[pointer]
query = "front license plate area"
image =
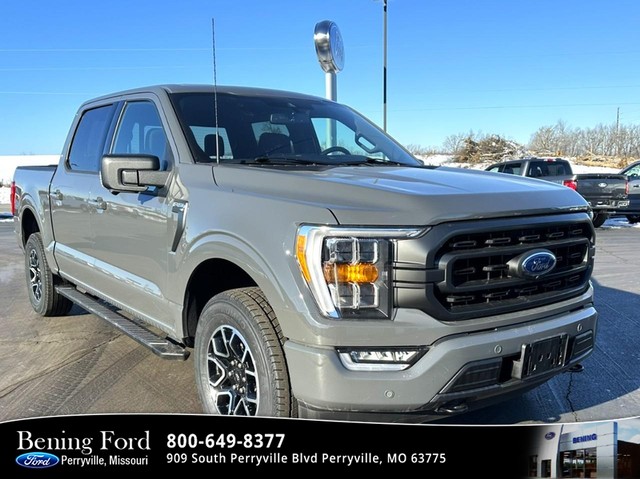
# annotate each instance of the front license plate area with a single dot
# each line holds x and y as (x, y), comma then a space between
(540, 357)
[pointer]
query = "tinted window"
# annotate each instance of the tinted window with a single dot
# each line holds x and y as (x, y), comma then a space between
(538, 169)
(511, 168)
(255, 126)
(633, 172)
(88, 141)
(337, 134)
(140, 131)
(201, 133)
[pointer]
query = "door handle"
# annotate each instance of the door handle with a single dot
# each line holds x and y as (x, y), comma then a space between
(99, 203)
(57, 194)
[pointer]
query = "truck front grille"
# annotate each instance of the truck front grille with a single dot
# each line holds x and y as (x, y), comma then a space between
(467, 268)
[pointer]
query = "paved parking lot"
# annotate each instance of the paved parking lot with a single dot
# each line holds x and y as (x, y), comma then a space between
(77, 364)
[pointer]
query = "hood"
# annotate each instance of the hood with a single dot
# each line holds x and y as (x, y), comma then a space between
(401, 196)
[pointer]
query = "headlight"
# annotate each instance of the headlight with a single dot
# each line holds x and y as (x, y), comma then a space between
(348, 270)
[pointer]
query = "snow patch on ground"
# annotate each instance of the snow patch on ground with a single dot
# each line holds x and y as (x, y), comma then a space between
(447, 160)
(435, 160)
(579, 169)
(5, 195)
(618, 222)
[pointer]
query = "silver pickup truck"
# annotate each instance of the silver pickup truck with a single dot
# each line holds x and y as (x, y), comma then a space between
(605, 192)
(313, 266)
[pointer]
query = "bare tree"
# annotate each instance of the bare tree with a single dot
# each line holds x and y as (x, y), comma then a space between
(453, 144)
(600, 141)
(420, 150)
(544, 141)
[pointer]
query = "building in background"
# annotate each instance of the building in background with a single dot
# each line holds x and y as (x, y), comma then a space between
(590, 450)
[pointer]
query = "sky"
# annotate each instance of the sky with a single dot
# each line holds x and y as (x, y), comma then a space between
(491, 67)
(629, 430)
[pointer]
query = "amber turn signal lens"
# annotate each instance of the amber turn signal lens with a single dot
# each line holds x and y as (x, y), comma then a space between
(301, 244)
(350, 273)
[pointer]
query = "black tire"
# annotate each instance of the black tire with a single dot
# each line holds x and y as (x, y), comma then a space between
(41, 281)
(632, 219)
(599, 219)
(239, 361)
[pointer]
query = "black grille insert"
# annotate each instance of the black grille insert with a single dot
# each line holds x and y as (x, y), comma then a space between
(468, 272)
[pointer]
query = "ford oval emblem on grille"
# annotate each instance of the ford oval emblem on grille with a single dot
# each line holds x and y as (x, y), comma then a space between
(532, 264)
(550, 435)
(602, 185)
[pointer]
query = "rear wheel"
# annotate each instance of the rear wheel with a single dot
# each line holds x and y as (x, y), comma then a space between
(41, 281)
(633, 219)
(599, 219)
(239, 360)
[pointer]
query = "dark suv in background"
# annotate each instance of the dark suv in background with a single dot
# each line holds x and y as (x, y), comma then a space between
(632, 212)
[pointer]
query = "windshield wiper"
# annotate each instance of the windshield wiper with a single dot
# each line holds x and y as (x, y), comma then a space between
(283, 160)
(369, 160)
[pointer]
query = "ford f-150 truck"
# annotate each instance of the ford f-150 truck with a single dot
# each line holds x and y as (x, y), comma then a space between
(310, 264)
(604, 192)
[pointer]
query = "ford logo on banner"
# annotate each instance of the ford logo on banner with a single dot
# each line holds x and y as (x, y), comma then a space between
(532, 264)
(37, 460)
(550, 435)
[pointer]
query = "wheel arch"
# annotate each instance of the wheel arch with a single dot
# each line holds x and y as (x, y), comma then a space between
(28, 224)
(221, 262)
(211, 277)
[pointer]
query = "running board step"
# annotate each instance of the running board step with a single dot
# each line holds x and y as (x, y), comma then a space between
(163, 347)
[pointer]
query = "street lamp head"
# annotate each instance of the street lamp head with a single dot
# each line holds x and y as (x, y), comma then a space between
(329, 46)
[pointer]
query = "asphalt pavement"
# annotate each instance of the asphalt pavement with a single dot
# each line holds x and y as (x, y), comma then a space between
(78, 364)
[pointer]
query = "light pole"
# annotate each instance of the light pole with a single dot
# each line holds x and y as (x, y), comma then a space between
(384, 67)
(330, 51)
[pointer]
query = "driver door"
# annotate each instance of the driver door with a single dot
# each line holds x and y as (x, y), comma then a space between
(130, 228)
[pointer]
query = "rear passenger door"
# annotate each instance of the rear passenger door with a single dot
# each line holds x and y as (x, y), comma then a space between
(71, 190)
(130, 234)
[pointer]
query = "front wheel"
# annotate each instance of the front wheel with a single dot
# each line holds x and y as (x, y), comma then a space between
(43, 296)
(239, 361)
(632, 219)
(599, 219)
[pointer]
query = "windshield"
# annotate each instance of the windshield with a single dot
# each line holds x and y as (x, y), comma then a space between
(283, 130)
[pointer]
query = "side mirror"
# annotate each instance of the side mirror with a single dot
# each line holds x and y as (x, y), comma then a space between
(131, 172)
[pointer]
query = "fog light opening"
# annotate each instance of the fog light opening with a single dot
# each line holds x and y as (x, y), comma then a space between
(387, 359)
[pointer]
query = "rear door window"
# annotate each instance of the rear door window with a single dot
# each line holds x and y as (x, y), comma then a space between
(89, 139)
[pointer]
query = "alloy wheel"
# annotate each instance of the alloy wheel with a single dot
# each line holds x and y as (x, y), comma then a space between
(233, 380)
(35, 275)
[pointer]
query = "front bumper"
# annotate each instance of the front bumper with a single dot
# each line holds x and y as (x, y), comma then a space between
(435, 384)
